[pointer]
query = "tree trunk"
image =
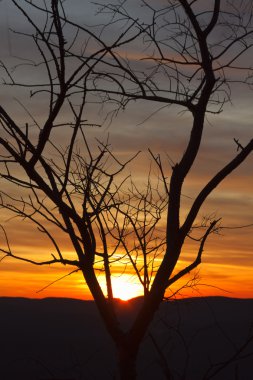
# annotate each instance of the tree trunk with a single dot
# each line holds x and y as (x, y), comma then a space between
(127, 362)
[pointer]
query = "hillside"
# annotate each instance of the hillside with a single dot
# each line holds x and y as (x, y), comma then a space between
(58, 338)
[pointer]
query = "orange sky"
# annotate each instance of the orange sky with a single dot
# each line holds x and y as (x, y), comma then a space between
(227, 267)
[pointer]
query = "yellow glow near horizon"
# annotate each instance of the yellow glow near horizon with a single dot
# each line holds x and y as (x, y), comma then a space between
(125, 287)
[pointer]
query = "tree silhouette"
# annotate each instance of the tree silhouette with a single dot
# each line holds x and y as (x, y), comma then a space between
(188, 52)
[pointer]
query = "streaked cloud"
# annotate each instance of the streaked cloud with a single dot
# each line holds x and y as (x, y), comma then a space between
(228, 258)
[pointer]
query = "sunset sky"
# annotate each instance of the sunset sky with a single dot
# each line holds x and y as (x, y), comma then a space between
(227, 267)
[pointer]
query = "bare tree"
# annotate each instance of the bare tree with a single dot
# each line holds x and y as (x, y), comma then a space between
(190, 49)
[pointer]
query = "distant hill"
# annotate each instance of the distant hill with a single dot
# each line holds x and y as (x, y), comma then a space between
(57, 338)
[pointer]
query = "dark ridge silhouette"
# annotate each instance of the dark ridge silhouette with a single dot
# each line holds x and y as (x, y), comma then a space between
(60, 338)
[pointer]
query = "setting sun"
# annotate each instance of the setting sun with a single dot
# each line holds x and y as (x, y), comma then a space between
(126, 287)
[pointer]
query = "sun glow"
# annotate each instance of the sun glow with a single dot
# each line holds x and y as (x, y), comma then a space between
(126, 287)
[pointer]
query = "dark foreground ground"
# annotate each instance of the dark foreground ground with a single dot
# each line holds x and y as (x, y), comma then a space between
(65, 339)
